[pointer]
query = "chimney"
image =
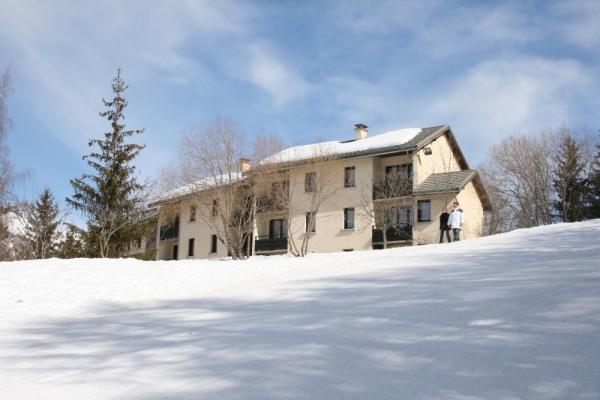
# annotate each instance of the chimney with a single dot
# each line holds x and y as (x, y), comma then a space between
(244, 164)
(361, 131)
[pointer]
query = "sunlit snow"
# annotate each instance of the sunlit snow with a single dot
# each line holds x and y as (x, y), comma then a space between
(515, 316)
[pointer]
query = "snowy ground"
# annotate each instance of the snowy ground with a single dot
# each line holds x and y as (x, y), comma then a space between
(515, 316)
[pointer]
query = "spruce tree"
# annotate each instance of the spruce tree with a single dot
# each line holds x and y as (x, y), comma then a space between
(110, 199)
(42, 229)
(569, 182)
(593, 210)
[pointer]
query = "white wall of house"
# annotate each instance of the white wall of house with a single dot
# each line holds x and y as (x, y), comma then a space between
(330, 235)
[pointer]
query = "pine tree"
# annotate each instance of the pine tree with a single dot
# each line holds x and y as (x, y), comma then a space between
(569, 183)
(42, 226)
(111, 198)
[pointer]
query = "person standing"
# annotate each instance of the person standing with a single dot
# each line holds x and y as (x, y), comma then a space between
(456, 220)
(444, 225)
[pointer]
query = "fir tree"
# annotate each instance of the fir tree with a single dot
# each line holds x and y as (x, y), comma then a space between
(111, 198)
(569, 183)
(593, 210)
(42, 226)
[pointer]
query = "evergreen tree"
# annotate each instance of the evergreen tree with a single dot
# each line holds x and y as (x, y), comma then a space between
(75, 244)
(42, 226)
(569, 182)
(593, 210)
(111, 198)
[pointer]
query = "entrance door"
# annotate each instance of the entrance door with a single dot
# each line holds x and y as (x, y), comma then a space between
(175, 251)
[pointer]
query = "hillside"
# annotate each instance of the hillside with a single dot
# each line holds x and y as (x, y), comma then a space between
(506, 317)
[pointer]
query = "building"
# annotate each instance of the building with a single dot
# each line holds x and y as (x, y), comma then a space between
(385, 190)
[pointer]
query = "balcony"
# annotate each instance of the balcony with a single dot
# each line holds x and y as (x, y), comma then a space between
(267, 243)
(169, 232)
(268, 205)
(392, 190)
(395, 234)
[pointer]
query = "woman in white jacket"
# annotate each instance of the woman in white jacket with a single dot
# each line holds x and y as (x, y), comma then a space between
(456, 221)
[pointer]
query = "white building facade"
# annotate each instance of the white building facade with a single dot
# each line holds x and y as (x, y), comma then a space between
(348, 219)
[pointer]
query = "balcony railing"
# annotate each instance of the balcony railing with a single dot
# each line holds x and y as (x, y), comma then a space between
(267, 243)
(265, 205)
(383, 192)
(393, 234)
(169, 232)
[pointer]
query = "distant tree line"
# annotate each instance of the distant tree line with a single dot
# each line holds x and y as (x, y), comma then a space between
(541, 178)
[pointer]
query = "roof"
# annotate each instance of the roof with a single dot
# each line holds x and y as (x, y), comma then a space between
(453, 182)
(444, 182)
(420, 136)
(200, 185)
(403, 140)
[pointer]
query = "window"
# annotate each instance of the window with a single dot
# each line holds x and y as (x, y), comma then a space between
(424, 211)
(404, 170)
(400, 217)
(193, 213)
(314, 223)
(191, 248)
(215, 208)
(277, 229)
(348, 218)
(213, 244)
(310, 182)
(350, 177)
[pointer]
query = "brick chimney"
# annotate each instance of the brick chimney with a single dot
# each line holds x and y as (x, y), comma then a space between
(245, 164)
(361, 131)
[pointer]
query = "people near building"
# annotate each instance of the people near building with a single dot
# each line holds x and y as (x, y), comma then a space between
(444, 228)
(456, 220)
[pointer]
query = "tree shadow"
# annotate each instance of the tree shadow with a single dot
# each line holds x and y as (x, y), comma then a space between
(516, 321)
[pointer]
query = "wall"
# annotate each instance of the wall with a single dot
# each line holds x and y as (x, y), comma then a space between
(441, 160)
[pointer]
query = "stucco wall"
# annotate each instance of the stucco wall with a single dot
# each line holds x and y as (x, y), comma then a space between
(441, 160)
(330, 235)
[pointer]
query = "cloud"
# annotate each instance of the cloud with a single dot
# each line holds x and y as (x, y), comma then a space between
(440, 29)
(270, 73)
(496, 98)
(579, 22)
(67, 52)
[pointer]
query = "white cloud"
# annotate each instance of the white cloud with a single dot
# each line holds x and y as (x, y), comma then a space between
(496, 98)
(579, 22)
(268, 72)
(67, 52)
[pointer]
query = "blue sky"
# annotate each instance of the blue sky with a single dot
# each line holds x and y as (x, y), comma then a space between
(300, 69)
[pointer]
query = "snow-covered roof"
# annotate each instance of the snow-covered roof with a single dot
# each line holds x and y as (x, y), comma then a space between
(385, 143)
(202, 184)
(384, 140)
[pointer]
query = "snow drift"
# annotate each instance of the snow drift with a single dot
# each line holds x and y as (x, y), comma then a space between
(505, 317)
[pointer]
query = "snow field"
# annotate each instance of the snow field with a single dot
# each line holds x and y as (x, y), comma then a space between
(516, 316)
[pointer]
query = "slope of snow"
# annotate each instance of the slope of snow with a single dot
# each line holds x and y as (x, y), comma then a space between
(514, 316)
(308, 151)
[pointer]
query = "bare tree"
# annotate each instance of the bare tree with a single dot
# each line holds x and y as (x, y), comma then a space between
(297, 182)
(208, 170)
(269, 181)
(6, 167)
(518, 174)
(502, 216)
(387, 201)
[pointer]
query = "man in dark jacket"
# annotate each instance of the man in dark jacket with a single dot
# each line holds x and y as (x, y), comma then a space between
(444, 225)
